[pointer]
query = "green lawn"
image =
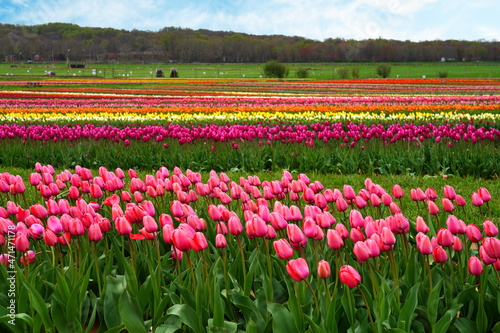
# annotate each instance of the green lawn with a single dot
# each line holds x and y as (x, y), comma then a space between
(240, 70)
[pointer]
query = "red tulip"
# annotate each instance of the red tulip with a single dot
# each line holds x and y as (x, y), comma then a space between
(439, 255)
(123, 226)
(95, 233)
(445, 237)
(220, 241)
(341, 204)
(421, 226)
(356, 219)
(447, 205)
(283, 249)
(492, 247)
(387, 237)
(28, 257)
(460, 200)
(475, 266)
(349, 276)
(473, 233)
(21, 242)
(356, 235)
(397, 192)
(490, 229)
(324, 269)
(297, 269)
(149, 224)
(449, 192)
(4, 260)
(433, 208)
(199, 242)
(484, 194)
(181, 239)
(361, 251)
(334, 239)
(424, 244)
(349, 193)
(477, 200)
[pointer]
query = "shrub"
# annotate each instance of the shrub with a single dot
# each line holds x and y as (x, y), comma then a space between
(343, 73)
(355, 72)
(302, 73)
(384, 70)
(443, 74)
(275, 69)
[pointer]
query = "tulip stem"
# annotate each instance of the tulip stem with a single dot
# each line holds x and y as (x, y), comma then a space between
(466, 254)
(26, 262)
(481, 305)
(351, 310)
(451, 266)
(498, 277)
(59, 254)
(368, 309)
(238, 238)
(208, 279)
(327, 294)
(159, 262)
(487, 204)
(481, 211)
(132, 252)
(301, 320)
(192, 271)
(97, 269)
(270, 270)
(373, 279)
(314, 295)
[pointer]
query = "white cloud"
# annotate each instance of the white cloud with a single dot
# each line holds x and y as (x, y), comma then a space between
(320, 19)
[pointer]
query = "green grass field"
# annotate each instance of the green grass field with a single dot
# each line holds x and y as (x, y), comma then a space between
(318, 71)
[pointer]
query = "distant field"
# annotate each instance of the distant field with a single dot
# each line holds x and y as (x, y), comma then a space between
(319, 71)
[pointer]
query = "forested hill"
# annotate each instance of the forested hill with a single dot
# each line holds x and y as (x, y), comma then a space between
(58, 41)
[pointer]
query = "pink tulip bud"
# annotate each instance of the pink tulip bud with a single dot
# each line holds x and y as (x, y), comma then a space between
(349, 276)
(297, 269)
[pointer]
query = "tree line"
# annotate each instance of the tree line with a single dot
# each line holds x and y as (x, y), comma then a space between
(62, 41)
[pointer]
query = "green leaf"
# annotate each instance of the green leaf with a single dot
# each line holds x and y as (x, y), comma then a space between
(114, 289)
(496, 328)
(251, 327)
(249, 310)
(62, 324)
(186, 314)
(406, 313)
(465, 325)
(94, 311)
(443, 323)
(62, 287)
(330, 320)
(249, 279)
(313, 326)
(132, 284)
(432, 307)
(283, 321)
(218, 319)
(40, 307)
(228, 327)
(131, 314)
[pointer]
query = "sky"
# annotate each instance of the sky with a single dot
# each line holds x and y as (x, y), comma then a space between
(415, 20)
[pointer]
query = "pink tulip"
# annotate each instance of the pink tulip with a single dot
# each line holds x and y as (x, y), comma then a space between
(297, 269)
(349, 276)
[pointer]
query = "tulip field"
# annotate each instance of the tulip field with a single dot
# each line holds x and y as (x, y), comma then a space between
(249, 206)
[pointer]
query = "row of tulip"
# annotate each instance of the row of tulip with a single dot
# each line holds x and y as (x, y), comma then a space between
(169, 251)
(27, 99)
(123, 116)
(344, 148)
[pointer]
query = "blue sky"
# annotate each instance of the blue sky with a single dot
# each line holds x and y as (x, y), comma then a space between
(414, 20)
